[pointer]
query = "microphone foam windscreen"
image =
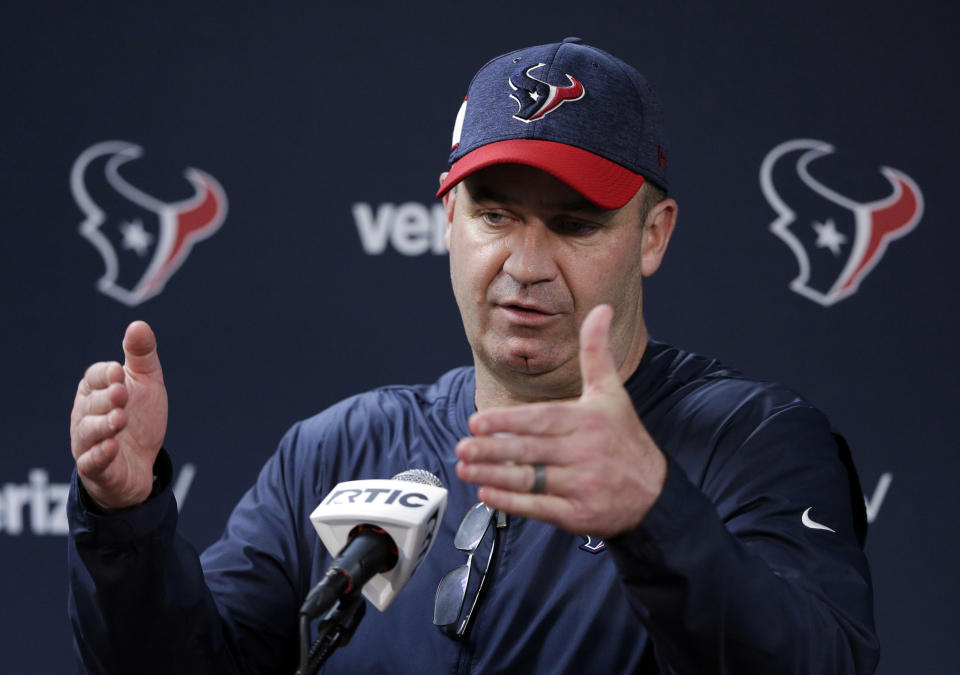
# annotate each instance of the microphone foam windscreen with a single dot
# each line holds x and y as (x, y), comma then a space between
(419, 476)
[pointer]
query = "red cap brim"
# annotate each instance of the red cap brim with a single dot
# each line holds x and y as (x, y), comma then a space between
(605, 183)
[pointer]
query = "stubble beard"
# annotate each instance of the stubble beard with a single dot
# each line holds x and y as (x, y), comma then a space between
(509, 371)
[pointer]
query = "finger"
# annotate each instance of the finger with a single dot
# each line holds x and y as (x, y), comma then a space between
(597, 367)
(536, 419)
(512, 477)
(517, 449)
(546, 507)
(518, 477)
(100, 376)
(140, 349)
(102, 401)
(558, 480)
(92, 463)
(92, 429)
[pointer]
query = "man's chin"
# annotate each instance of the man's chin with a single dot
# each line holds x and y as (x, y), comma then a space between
(526, 357)
(531, 366)
(538, 376)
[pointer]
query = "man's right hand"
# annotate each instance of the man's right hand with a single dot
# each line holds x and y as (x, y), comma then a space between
(118, 422)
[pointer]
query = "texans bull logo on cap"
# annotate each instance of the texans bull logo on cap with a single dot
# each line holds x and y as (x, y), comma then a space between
(837, 241)
(142, 239)
(536, 98)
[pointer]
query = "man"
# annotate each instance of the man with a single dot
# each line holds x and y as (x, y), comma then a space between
(649, 508)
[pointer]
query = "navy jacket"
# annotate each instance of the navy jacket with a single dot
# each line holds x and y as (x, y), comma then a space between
(722, 576)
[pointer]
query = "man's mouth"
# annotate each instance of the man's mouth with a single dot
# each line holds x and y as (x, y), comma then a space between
(528, 308)
(526, 314)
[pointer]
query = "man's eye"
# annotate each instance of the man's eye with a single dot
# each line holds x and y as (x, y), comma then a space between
(492, 218)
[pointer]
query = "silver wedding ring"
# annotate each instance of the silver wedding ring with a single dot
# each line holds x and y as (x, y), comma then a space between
(539, 479)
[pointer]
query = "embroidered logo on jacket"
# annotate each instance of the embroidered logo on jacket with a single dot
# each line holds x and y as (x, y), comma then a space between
(592, 545)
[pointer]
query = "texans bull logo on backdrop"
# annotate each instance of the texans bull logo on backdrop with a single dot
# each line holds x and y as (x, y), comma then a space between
(837, 241)
(142, 239)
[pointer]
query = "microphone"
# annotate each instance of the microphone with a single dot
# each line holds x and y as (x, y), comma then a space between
(382, 531)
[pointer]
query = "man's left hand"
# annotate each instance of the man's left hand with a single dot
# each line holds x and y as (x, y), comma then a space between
(603, 471)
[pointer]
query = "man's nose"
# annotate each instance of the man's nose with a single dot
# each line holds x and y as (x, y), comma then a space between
(531, 259)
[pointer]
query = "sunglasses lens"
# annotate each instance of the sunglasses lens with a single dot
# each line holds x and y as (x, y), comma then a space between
(463, 581)
(450, 594)
(472, 528)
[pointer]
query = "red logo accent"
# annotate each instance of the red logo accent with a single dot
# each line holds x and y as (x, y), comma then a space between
(196, 219)
(889, 220)
(558, 95)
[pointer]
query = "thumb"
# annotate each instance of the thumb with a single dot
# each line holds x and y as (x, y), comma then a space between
(597, 368)
(140, 349)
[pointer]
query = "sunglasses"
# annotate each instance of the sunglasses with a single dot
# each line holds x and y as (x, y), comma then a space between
(453, 588)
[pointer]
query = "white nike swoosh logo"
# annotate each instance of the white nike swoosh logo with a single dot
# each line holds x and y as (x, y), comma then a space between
(812, 524)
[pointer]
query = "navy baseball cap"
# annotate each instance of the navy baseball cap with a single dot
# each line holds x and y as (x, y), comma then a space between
(574, 111)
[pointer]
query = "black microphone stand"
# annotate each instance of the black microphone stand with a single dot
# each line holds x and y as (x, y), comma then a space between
(333, 631)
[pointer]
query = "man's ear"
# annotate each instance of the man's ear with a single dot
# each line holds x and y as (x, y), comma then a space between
(449, 199)
(656, 235)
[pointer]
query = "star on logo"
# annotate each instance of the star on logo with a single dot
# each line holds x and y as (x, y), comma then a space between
(828, 237)
(135, 237)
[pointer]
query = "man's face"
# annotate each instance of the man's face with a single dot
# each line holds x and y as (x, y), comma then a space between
(529, 258)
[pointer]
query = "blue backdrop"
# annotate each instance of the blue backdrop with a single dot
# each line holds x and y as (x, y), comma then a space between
(300, 262)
